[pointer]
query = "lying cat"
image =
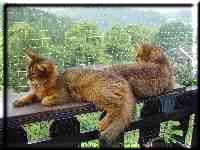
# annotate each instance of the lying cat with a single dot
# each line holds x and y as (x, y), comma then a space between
(109, 92)
(46, 84)
(150, 75)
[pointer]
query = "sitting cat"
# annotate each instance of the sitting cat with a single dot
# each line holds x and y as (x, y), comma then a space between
(109, 92)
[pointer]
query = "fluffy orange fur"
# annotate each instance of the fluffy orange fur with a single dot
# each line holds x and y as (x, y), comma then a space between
(152, 73)
(112, 90)
(46, 84)
(109, 92)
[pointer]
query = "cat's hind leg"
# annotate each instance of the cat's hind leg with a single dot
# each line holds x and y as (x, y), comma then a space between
(105, 121)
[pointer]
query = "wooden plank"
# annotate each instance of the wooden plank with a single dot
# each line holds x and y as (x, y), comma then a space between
(36, 110)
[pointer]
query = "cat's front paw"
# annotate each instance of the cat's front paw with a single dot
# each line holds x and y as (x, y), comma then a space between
(47, 102)
(18, 103)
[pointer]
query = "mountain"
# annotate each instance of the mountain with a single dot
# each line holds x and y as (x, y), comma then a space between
(58, 19)
(107, 16)
(40, 20)
(62, 17)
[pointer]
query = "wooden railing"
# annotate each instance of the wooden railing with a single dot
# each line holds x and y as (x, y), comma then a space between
(65, 129)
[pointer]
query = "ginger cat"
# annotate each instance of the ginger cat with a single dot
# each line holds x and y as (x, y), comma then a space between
(150, 75)
(109, 92)
(46, 84)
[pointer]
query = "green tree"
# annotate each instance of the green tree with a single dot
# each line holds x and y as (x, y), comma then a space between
(20, 37)
(184, 74)
(39, 19)
(173, 35)
(84, 44)
(141, 33)
(118, 44)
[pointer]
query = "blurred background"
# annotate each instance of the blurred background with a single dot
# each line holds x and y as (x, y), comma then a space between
(75, 36)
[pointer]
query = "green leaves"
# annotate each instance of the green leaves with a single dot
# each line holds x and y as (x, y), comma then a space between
(184, 74)
(84, 44)
(167, 130)
(21, 36)
(118, 44)
(173, 35)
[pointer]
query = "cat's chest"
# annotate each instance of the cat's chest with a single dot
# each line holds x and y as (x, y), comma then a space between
(41, 89)
(34, 84)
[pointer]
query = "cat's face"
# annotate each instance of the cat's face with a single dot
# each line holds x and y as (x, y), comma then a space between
(38, 67)
(149, 53)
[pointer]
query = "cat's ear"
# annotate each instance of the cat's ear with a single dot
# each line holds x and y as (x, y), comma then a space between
(31, 55)
(139, 45)
(42, 67)
(47, 67)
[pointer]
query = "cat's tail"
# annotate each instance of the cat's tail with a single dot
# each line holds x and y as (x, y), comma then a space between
(119, 123)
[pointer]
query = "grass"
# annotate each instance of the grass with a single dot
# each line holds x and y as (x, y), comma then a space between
(89, 121)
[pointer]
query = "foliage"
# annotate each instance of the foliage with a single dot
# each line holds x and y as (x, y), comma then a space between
(84, 45)
(71, 44)
(131, 139)
(88, 121)
(184, 74)
(174, 34)
(140, 32)
(41, 20)
(118, 44)
(20, 37)
(167, 131)
(37, 130)
(90, 144)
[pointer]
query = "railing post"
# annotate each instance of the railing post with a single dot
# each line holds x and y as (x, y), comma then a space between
(16, 135)
(148, 133)
(65, 132)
